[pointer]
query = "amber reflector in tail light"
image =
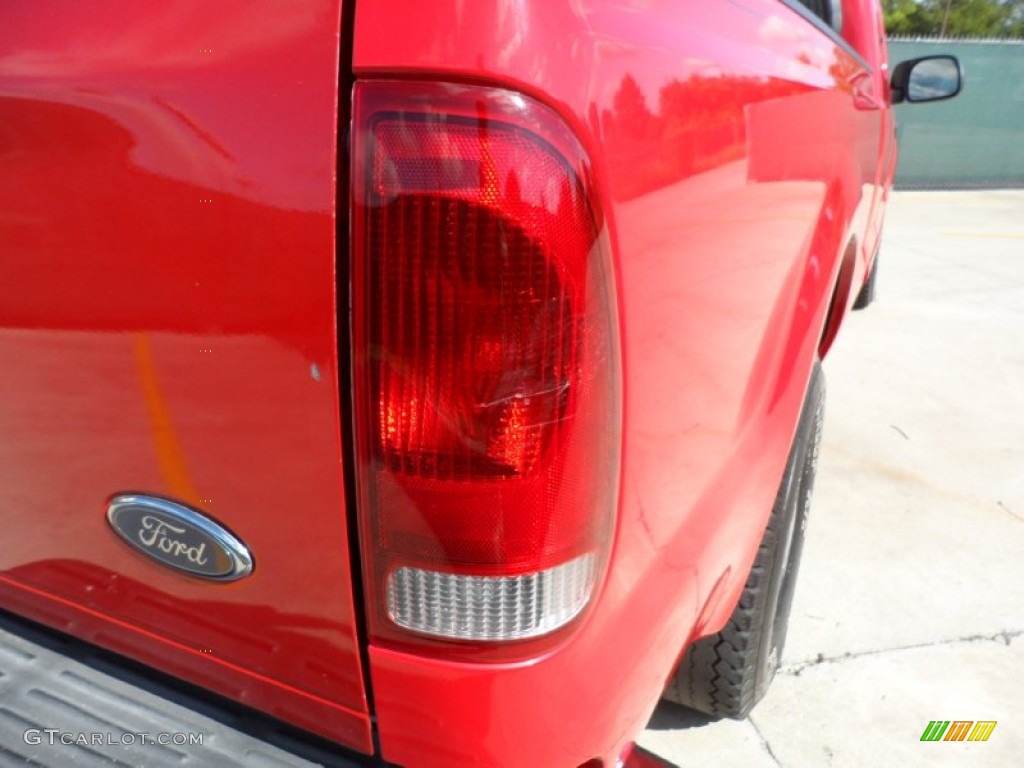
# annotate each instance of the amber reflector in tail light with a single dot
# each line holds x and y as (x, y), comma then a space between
(485, 365)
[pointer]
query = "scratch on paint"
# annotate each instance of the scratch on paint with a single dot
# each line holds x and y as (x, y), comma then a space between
(169, 456)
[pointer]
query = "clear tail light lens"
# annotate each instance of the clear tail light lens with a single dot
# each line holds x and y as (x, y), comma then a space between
(465, 607)
(485, 365)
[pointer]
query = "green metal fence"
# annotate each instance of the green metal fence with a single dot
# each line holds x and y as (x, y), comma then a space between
(975, 140)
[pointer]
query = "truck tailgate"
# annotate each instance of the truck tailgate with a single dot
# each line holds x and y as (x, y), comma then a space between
(168, 328)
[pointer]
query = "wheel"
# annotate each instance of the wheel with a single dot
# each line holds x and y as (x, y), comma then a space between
(726, 674)
(867, 291)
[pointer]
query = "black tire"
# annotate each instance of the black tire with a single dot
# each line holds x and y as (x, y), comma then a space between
(726, 674)
(867, 291)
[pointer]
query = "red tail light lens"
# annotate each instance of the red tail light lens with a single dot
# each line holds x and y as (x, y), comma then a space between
(485, 364)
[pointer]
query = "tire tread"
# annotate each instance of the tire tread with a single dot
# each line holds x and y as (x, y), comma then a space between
(726, 674)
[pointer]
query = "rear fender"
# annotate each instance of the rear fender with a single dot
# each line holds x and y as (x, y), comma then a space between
(816, 309)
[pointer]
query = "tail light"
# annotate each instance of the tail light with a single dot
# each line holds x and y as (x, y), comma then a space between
(485, 366)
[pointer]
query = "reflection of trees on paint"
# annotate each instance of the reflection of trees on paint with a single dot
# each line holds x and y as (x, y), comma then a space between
(699, 125)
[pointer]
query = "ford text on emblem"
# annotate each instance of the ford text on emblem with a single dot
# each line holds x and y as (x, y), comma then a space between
(179, 537)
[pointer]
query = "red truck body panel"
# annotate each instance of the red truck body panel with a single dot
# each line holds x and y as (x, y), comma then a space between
(739, 161)
(169, 324)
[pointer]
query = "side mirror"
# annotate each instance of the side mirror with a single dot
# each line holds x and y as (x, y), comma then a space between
(929, 78)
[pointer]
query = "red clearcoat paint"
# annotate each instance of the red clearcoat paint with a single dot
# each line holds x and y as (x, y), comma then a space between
(738, 159)
(169, 324)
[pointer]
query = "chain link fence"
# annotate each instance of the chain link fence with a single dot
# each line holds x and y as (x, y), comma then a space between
(976, 140)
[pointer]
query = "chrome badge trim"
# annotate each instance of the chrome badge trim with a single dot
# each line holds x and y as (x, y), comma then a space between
(179, 537)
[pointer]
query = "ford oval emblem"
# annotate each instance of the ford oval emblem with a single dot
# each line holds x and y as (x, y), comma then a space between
(179, 537)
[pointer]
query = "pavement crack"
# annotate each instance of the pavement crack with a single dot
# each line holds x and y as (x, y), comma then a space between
(1010, 511)
(1004, 636)
(764, 742)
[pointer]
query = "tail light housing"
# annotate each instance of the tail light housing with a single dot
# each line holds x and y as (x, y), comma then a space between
(485, 367)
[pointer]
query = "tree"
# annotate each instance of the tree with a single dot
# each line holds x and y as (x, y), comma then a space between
(910, 17)
(955, 18)
(630, 106)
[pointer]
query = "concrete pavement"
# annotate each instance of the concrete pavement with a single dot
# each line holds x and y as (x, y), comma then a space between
(910, 602)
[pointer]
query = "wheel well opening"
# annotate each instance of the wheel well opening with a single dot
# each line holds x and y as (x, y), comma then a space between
(840, 299)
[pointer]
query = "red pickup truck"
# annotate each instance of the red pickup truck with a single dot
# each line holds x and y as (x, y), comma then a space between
(440, 379)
